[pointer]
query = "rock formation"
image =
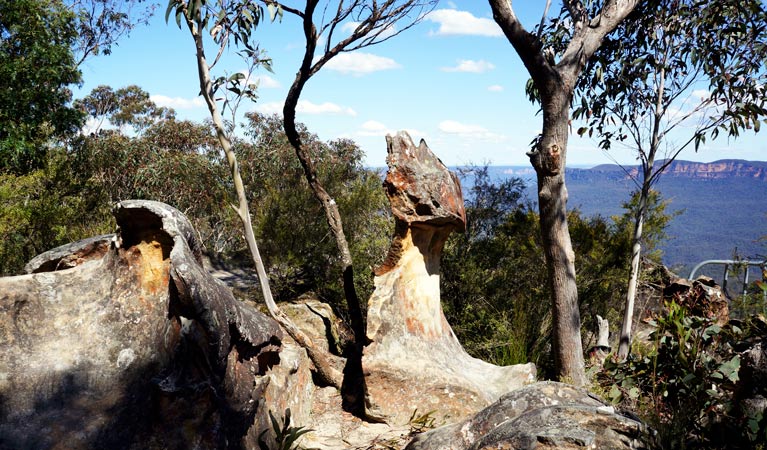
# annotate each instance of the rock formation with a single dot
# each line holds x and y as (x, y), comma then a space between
(702, 297)
(414, 360)
(545, 415)
(126, 342)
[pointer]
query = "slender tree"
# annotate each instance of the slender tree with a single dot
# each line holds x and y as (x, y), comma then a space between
(127, 106)
(239, 19)
(674, 73)
(375, 22)
(554, 72)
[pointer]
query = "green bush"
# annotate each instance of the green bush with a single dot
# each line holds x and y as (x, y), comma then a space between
(46, 208)
(688, 385)
(290, 224)
(494, 284)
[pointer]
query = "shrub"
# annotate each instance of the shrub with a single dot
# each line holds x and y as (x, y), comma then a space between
(689, 385)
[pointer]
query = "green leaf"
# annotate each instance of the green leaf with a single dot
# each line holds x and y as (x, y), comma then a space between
(614, 394)
(274, 11)
(731, 368)
(171, 6)
(710, 331)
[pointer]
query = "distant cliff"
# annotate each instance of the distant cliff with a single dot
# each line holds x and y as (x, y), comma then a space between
(725, 168)
(722, 202)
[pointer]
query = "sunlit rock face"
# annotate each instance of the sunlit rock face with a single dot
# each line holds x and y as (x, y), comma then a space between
(546, 416)
(414, 360)
(127, 342)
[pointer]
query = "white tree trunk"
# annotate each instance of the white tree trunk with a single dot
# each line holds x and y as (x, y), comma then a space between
(636, 253)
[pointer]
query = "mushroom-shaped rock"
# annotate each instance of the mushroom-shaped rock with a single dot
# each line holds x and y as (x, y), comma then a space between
(414, 360)
(127, 342)
(419, 186)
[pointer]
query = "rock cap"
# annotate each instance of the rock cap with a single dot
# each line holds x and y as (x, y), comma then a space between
(420, 187)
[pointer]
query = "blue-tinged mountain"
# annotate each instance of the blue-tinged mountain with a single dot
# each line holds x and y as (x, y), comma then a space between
(724, 204)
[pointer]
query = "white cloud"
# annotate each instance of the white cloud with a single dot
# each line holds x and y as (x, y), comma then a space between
(269, 108)
(359, 63)
(177, 102)
(468, 65)
(700, 94)
(454, 22)
(349, 26)
(264, 81)
(469, 131)
(267, 82)
(495, 88)
(373, 128)
(93, 125)
(307, 107)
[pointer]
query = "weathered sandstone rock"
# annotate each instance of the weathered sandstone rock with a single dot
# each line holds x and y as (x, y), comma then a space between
(544, 415)
(414, 360)
(132, 346)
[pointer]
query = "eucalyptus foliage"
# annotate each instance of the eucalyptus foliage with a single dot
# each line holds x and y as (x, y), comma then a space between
(37, 70)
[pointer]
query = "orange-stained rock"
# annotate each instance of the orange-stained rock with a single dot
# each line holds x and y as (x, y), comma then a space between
(127, 342)
(414, 360)
(420, 187)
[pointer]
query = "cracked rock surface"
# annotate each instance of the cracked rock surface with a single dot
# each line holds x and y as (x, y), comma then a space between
(544, 415)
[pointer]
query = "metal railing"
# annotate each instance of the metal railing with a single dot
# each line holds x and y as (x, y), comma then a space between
(732, 262)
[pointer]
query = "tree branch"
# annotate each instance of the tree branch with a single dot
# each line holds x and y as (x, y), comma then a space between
(587, 40)
(527, 45)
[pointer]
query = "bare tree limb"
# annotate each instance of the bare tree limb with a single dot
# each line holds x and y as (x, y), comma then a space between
(325, 370)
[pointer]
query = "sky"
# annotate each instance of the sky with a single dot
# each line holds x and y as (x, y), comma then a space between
(453, 80)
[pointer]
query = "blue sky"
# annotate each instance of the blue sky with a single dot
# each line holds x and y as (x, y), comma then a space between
(453, 80)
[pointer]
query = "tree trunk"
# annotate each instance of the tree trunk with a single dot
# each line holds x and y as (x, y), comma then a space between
(636, 252)
(548, 159)
(325, 370)
(328, 203)
(332, 215)
(555, 82)
(648, 178)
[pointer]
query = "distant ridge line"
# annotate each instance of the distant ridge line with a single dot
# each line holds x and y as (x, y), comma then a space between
(723, 168)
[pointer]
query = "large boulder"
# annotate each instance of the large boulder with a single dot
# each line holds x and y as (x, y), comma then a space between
(544, 415)
(414, 360)
(127, 342)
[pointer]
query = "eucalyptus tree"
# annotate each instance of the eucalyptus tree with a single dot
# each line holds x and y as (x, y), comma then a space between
(101, 24)
(224, 21)
(37, 69)
(126, 106)
(555, 71)
(675, 73)
(373, 22)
